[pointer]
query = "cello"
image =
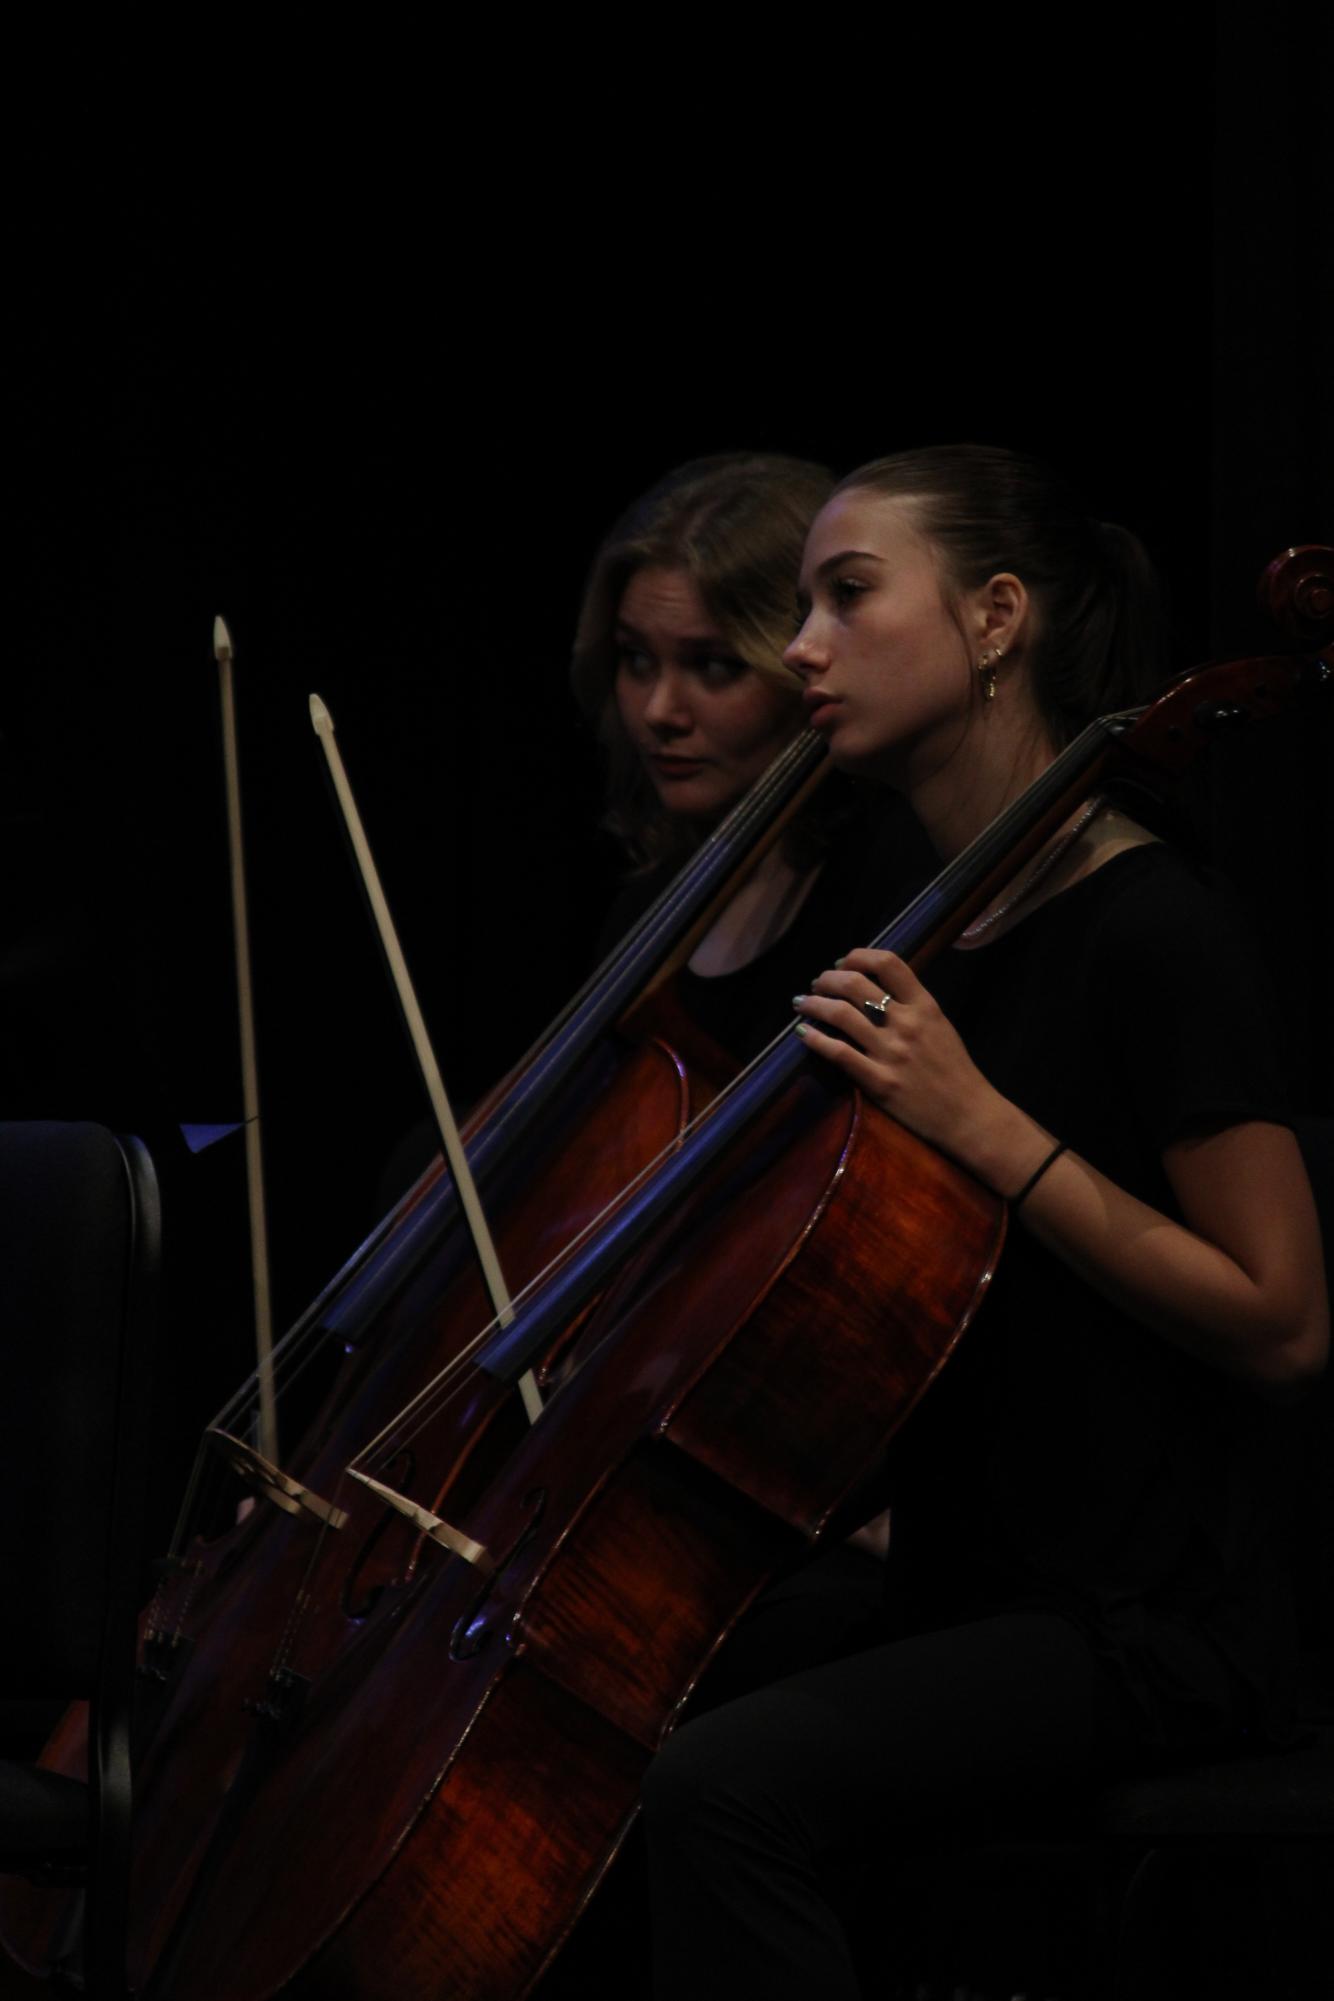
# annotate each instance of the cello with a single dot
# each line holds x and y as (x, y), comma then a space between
(493, 1721)
(212, 1666)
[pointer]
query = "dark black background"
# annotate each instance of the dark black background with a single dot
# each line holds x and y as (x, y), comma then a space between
(368, 357)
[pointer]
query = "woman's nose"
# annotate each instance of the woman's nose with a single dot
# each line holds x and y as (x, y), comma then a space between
(804, 654)
(665, 705)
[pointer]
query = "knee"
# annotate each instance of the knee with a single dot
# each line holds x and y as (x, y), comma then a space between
(710, 1781)
(676, 1786)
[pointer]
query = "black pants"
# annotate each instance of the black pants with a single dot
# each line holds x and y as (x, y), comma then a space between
(758, 1812)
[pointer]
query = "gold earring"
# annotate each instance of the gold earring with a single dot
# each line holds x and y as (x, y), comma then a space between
(986, 667)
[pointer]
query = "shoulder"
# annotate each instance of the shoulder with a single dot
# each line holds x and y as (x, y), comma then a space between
(1151, 901)
(1178, 984)
(1153, 883)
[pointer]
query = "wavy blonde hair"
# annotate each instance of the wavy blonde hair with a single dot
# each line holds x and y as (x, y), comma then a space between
(736, 523)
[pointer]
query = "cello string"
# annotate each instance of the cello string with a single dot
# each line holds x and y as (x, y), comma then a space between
(624, 967)
(285, 1645)
(799, 766)
(972, 875)
(977, 876)
(465, 1188)
(617, 987)
(927, 911)
(949, 886)
(714, 856)
(924, 923)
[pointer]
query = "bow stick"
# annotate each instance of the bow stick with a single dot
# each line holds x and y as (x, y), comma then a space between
(254, 1165)
(421, 1043)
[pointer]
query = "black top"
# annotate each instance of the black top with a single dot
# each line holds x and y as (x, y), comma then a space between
(1069, 1458)
(878, 861)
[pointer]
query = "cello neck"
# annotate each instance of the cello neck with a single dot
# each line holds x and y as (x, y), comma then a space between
(935, 916)
(966, 885)
(1163, 739)
(663, 935)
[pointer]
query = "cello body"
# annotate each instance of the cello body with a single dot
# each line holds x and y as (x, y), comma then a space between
(244, 1616)
(244, 1619)
(490, 1730)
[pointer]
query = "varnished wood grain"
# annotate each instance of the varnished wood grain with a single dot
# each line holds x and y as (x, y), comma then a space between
(639, 1558)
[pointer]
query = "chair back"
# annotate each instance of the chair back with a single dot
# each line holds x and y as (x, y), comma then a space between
(79, 1252)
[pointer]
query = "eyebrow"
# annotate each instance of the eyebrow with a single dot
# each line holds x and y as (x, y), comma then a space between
(831, 563)
(711, 640)
(847, 556)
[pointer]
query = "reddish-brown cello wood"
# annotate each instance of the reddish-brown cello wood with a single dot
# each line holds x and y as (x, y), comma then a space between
(492, 1789)
(276, 1592)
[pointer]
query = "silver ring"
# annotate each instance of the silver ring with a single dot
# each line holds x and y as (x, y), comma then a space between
(877, 1012)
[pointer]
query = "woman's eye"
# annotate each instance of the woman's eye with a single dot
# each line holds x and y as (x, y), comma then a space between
(721, 672)
(844, 590)
(634, 663)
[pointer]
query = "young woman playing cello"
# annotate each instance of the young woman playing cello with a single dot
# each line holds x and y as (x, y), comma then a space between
(1079, 1579)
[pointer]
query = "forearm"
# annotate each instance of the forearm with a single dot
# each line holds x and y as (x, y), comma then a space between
(1256, 1309)
(1238, 1281)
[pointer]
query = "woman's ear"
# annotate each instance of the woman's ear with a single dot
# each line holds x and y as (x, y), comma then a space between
(1000, 613)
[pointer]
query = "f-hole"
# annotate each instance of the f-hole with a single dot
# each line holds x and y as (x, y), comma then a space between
(398, 1471)
(471, 1632)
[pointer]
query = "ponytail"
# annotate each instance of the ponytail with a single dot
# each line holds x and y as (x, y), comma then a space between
(1099, 641)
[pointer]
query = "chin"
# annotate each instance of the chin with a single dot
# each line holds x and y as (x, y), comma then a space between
(876, 761)
(683, 802)
(847, 755)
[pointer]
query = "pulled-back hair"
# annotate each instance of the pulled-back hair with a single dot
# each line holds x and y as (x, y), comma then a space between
(736, 523)
(1098, 641)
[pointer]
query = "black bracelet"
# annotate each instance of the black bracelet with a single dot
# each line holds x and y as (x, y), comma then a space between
(1034, 1179)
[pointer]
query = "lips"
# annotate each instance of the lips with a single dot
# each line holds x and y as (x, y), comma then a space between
(820, 707)
(669, 766)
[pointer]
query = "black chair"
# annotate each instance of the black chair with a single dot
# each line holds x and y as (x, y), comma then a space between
(79, 1257)
(1232, 1885)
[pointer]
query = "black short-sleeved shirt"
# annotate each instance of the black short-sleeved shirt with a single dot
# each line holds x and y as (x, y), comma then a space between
(877, 863)
(1070, 1458)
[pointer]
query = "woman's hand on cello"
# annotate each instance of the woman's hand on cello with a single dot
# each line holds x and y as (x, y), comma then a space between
(1236, 1283)
(909, 1061)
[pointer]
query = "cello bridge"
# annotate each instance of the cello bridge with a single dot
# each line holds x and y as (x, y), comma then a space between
(263, 1477)
(431, 1526)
